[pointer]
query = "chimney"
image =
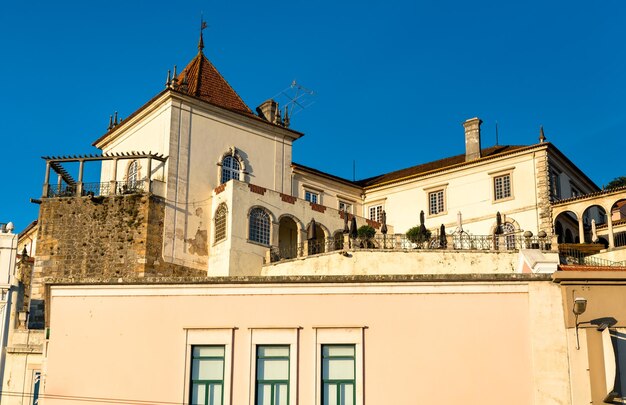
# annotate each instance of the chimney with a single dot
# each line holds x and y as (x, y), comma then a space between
(269, 111)
(472, 138)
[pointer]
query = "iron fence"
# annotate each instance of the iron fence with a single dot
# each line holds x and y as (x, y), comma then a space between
(576, 257)
(400, 242)
(99, 189)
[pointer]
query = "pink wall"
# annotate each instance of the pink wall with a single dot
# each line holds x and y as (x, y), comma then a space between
(423, 344)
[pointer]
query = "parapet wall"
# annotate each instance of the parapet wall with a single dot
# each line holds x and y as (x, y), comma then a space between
(113, 237)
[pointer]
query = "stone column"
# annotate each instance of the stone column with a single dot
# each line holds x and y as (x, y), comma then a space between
(609, 224)
(581, 229)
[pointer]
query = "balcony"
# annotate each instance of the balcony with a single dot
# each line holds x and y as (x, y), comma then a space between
(109, 188)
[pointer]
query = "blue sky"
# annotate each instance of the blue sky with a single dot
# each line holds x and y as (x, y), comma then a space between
(393, 80)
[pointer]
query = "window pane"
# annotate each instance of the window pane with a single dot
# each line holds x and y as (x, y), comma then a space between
(273, 369)
(198, 394)
(264, 394)
(215, 394)
(208, 369)
(333, 351)
(273, 351)
(338, 369)
(208, 351)
(280, 394)
(347, 394)
(329, 394)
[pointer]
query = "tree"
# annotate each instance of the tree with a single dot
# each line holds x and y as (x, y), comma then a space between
(617, 182)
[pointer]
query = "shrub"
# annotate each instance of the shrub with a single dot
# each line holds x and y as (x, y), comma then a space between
(366, 232)
(417, 234)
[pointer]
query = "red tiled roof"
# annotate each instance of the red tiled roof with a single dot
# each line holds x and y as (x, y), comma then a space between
(206, 83)
(435, 165)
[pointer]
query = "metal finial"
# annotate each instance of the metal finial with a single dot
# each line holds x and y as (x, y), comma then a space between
(542, 136)
(110, 122)
(168, 83)
(115, 119)
(202, 27)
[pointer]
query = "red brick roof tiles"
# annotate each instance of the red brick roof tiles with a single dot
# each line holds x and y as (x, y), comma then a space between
(206, 83)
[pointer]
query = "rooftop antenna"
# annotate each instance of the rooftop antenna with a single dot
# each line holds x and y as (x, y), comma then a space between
(496, 133)
(295, 99)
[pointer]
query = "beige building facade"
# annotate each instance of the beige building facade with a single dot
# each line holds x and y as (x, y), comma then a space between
(206, 267)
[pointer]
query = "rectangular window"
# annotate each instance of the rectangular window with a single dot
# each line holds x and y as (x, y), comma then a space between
(376, 213)
(502, 187)
(36, 385)
(555, 184)
(338, 375)
(272, 375)
(311, 196)
(344, 206)
(207, 375)
(436, 202)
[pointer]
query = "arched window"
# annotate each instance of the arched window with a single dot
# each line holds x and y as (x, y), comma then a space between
(230, 169)
(221, 214)
(260, 226)
(132, 175)
(508, 231)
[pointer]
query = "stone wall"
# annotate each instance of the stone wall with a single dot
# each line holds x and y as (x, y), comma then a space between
(115, 237)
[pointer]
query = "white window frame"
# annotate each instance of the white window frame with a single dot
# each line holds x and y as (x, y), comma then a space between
(501, 174)
(350, 206)
(260, 232)
(377, 211)
(279, 337)
(310, 195)
(210, 337)
(221, 207)
(331, 335)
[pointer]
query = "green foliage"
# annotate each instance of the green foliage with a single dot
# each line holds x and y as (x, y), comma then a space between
(366, 232)
(418, 235)
(617, 182)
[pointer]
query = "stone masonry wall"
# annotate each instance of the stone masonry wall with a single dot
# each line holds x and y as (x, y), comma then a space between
(543, 191)
(117, 237)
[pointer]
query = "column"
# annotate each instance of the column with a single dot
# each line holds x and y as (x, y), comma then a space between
(113, 183)
(44, 193)
(149, 175)
(581, 229)
(79, 186)
(609, 223)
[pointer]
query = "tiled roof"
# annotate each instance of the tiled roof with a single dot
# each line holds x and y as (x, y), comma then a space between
(435, 165)
(206, 83)
(441, 164)
(564, 267)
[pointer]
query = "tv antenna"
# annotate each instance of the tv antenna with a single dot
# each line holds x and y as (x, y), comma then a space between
(295, 98)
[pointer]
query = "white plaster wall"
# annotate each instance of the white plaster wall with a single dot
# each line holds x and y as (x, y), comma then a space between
(467, 342)
(403, 262)
(331, 192)
(469, 190)
(147, 132)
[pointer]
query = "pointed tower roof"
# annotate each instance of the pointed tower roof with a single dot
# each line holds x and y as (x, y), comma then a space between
(206, 83)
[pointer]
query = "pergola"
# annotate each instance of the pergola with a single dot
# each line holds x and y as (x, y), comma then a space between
(77, 186)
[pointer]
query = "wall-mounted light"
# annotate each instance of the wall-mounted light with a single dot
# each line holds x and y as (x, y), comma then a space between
(580, 306)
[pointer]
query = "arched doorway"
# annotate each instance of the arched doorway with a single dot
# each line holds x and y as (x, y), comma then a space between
(618, 220)
(318, 244)
(287, 238)
(594, 213)
(566, 227)
(338, 240)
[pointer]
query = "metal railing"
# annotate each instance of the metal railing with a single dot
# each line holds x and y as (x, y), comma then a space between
(576, 257)
(619, 239)
(400, 242)
(99, 189)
